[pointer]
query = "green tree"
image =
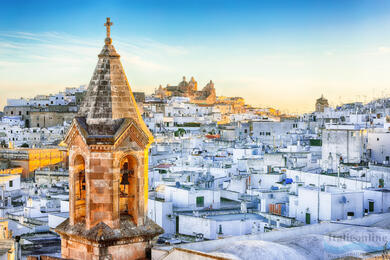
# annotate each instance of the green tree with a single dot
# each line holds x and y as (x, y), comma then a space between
(180, 132)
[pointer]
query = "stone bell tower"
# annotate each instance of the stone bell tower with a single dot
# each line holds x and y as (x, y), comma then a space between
(108, 146)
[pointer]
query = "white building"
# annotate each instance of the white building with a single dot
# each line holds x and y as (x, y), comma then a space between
(12, 121)
(192, 198)
(59, 99)
(265, 180)
(161, 212)
(378, 145)
(378, 176)
(376, 201)
(272, 133)
(314, 179)
(313, 204)
(340, 145)
(56, 218)
(10, 183)
(34, 136)
(219, 226)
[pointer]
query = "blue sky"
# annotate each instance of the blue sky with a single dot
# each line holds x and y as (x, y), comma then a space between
(273, 53)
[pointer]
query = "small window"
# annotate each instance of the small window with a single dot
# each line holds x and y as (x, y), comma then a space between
(20, 113)
(200, 201)
(12, 112)
(11, 184)
(27, 112)
(371, 206)
(220, 230)
(377, 139)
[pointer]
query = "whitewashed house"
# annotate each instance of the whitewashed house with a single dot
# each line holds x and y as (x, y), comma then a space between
(313, 204)
(220, 226)
(192, 197)
(341, 145)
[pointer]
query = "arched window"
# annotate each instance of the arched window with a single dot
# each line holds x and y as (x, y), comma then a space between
(128, 186)
(79, 187)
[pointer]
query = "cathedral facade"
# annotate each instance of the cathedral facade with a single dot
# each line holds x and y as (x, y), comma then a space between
(321, 104)
(189, 89)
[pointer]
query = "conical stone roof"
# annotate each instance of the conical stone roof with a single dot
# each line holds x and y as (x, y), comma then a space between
(109, 99)
(108, 96)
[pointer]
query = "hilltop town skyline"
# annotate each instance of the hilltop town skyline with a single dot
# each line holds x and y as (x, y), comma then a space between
(332, 103)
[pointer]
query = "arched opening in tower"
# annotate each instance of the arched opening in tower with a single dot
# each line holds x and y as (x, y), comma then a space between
(79, 187)
(128, 187)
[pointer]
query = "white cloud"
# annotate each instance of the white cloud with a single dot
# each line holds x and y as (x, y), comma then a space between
(64, 49)
(46, 62)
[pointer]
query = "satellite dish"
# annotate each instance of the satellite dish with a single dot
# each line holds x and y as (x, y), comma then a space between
(343, 200)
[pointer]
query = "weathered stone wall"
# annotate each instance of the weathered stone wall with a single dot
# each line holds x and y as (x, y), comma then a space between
(100, 183)
(48, 119)
(32, 159)
(71, 249)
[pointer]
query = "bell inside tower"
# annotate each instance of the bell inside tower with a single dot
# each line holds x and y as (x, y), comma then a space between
(128, 184)
(79, 187)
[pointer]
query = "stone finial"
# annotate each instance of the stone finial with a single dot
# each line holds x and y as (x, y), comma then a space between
(108, 25)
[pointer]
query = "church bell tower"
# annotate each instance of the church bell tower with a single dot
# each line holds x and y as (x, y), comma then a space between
(108, 145)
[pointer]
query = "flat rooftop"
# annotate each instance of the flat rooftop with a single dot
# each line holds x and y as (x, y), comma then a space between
(240, 216)
(356, 237)
(60, 214)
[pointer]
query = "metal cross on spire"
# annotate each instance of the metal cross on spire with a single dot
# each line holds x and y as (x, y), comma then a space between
(108, 25)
